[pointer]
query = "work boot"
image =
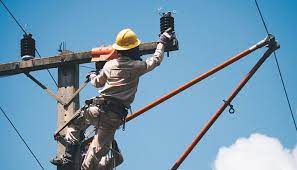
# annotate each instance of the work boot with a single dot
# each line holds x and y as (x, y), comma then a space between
(110, 162)
(117, 155)
(62, 161)
(67, 158)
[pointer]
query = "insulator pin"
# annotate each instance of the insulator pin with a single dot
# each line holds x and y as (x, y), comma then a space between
(166, 21)
(27, 47)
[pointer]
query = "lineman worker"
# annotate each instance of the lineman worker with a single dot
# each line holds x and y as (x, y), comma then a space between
(119, 79)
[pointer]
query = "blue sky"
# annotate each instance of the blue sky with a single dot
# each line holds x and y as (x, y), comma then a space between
(209, 32)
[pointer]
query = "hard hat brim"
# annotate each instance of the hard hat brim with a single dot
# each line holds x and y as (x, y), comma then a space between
(122, 48)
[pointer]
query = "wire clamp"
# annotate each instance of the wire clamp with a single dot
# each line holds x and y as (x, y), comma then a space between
(231, 109)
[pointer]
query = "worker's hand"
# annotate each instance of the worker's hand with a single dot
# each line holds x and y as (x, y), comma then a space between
(70, 138)
(166, 36)
(90, 75)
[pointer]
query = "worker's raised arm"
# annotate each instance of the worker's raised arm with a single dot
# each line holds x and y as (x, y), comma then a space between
(156, 59)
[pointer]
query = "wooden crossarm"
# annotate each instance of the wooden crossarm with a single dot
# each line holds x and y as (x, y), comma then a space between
(18, 67)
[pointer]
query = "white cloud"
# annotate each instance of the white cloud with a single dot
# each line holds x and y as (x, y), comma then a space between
(258, 152)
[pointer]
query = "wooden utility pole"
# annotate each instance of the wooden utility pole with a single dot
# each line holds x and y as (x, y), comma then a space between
(68, 82)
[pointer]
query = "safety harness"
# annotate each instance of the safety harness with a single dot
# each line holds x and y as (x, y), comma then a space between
(109, 104)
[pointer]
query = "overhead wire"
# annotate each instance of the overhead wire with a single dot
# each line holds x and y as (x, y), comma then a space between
(4, 113)
(50, 74)
(278, 68)
(17, 22)
(22, 28)
(17, 131)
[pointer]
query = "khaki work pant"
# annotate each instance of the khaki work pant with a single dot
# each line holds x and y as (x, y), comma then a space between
(106, 124)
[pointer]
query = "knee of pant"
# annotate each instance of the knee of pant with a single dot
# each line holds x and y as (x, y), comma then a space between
(91, 161)
(102, 151)
(88, 163)
(85, 167)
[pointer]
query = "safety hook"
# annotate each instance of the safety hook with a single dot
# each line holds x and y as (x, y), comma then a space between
(231, 109)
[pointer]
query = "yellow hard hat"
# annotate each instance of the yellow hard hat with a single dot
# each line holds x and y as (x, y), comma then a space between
(126, 40)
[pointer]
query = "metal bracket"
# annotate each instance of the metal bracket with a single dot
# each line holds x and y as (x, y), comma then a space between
(231, 108)
(50, 92)
(173, 43)
(272, 43)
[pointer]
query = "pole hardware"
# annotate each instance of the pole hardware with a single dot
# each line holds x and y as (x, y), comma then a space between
(167, 22)
(272, 43)
(62, 47)
(27, 47)
(231, 108)
(49, 91)
(77, 92)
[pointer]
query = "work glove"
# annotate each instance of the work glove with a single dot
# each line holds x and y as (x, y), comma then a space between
(166, 36)
(90, 75)
(70, 138)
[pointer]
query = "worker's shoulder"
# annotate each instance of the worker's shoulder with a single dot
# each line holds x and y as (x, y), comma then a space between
(136, 64)
(122, 62)
(111, 63)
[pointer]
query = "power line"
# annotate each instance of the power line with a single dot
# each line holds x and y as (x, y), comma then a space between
(22, 28)
(17, 22)
(16, 130)
(278, 68)
(263, 21)
(50, 74)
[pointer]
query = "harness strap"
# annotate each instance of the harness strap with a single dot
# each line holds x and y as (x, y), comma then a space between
(124, 124)
(113, 105)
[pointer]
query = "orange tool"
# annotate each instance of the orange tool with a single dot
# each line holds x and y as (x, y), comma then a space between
(103, 53)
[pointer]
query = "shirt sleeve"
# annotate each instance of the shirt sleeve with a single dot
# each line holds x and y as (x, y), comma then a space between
(155, 60)
(99, 80)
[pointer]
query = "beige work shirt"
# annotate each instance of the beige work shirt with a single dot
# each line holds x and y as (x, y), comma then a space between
(119, 77)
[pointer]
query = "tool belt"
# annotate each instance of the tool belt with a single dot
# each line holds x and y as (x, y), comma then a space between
(109, 104)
